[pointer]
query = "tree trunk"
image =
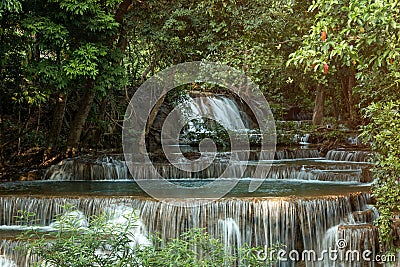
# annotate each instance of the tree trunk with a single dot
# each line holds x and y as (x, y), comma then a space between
(2, 141)
(350, 85)
(335, 106)
(80, 119)
(157, 106)
(153, 113)
(121, 12)
(96, 137)
(345, 106)
(318, 115)
(58, 118)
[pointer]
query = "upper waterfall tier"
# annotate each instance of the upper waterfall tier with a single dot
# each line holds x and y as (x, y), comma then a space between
(300, 164)
(343, 155)
(220, 108)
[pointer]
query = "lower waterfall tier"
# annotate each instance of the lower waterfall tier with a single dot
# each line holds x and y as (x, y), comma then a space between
(300, 223)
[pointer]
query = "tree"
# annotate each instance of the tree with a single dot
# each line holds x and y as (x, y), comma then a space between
(89, 59)
(255, 36)
(354, 43)
(72, 50)
(358, 41)
(263, 35)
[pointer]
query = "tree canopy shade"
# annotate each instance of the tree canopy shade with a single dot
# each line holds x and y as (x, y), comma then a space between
(61, 56)
(7, 6)
(59, 48)
(356, 44)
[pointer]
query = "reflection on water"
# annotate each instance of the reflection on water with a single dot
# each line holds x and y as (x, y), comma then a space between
(269, 188)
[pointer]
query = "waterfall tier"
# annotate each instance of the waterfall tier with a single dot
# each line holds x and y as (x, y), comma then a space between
(342, 155)
(220, 108)
(293, 221)
(291, 164)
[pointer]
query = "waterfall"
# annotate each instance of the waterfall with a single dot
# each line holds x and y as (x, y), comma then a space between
(230, 235)
(88, 169)
(342, 155)
(77, 219)
(122, 214)
(351, 241)
(299, 223)
(284, 170)
(11, 256)
(6, 262)
(301, 139)
(351, 237)
(320, 173)
(305, 220)
(317, 216)
(221, 108)
(297, 154)
(46, 208)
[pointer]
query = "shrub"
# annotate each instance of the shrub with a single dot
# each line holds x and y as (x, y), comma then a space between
(76, 242)
(383, 134)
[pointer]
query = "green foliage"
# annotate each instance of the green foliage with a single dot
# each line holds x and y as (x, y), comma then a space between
(206, 128)
(57, 48)
(197, 248)
(73, 243)
(264, 33)
(184, 251)
(362, 40)
(101, 243)
(254, 36)
(26, 218)
(57, 56)
(288, 131)
(84, 61)
(10, 6)
(361, 36)
(177, 95)
(383, 133)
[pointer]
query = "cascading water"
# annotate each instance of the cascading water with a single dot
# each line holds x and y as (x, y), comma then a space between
(221, 108)
(88, 169)
(11, 256)
(230, 234)
(307, 202)
(297, 223)
(6, 262)
(342, 155)
(297, 154)
(353, 240)
(301, 164)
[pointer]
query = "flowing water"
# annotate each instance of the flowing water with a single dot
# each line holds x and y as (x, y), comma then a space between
(258, 221)
(306, 202)
(294, 164)
(220, 108)
(288, 208)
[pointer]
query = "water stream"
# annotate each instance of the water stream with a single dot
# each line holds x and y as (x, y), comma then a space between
(306, 202)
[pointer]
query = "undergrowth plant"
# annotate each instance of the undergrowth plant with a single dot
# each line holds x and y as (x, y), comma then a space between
(78, 242)
(383, 134)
